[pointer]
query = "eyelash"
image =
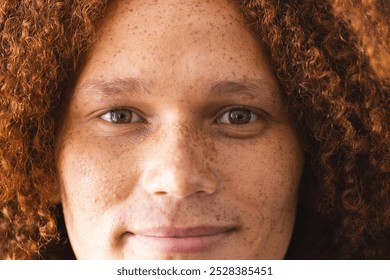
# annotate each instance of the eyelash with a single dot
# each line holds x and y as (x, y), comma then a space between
(222, 118)
(109, 117)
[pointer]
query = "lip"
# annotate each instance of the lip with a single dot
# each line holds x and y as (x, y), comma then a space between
(181, 240)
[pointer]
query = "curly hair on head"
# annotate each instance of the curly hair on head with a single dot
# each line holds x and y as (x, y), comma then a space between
(332, 60)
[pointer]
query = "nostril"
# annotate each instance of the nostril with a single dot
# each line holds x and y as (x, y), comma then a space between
(175, 179)
(159, 193)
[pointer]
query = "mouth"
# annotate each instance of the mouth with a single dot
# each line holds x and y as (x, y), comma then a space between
(181, 240)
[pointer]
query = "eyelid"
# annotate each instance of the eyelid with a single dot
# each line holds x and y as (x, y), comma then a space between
(258, 112)
(134, 113)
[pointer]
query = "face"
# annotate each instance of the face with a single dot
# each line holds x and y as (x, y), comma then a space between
(175, 142)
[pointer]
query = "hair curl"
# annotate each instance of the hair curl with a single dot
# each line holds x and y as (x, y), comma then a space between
(332, 59)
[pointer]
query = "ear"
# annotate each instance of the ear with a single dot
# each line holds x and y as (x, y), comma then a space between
(55, 199)
(55, 193)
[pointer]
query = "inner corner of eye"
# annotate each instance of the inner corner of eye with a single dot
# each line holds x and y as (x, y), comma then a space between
(254, 116)
(106, 116)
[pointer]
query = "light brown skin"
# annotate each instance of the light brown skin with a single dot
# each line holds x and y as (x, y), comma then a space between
(179, 163)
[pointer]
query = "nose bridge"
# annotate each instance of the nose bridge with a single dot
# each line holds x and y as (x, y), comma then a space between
(184, 145)
(178, 167)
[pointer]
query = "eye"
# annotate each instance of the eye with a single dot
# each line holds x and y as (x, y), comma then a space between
(237, 116)
(121, 116)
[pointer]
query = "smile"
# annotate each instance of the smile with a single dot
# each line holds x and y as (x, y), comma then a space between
(181, 240)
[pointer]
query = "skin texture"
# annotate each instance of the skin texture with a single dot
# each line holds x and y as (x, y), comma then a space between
(179, 167)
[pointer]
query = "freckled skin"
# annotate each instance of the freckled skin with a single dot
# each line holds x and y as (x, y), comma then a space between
(179, 167)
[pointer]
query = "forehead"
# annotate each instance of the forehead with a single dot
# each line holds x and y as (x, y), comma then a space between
(176, 47)
(168, 24)
(179, 33)
(165, 13)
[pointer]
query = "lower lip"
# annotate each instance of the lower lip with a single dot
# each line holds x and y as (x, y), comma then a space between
(180, 244)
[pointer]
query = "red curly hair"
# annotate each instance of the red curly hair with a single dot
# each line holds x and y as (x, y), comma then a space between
(332, 59)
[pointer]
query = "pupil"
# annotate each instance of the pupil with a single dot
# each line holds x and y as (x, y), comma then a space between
(239, 116)
(121, 116)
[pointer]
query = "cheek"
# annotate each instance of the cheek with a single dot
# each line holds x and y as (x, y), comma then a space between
(262, 176)
(93, 175)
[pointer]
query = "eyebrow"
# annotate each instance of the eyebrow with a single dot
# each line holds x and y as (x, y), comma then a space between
(252, 86)
(111, 87)
(130, 85)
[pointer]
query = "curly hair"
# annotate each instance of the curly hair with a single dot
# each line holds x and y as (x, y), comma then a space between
(332, 59)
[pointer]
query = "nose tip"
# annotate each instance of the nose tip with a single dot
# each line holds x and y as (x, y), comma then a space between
(178, 180)
(177, 165)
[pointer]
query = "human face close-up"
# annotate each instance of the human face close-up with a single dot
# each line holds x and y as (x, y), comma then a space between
(175, 142)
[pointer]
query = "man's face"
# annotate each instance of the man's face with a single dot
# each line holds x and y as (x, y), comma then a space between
(175, 142)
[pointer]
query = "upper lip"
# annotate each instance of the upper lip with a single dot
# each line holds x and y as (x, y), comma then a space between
(183, 232)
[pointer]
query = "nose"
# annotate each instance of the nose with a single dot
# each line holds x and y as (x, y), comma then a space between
(178, 166)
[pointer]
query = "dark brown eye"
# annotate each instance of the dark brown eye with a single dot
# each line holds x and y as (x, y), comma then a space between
(237, 116)
(121, 116)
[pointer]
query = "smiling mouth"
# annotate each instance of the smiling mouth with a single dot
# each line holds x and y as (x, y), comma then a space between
(181, 240)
